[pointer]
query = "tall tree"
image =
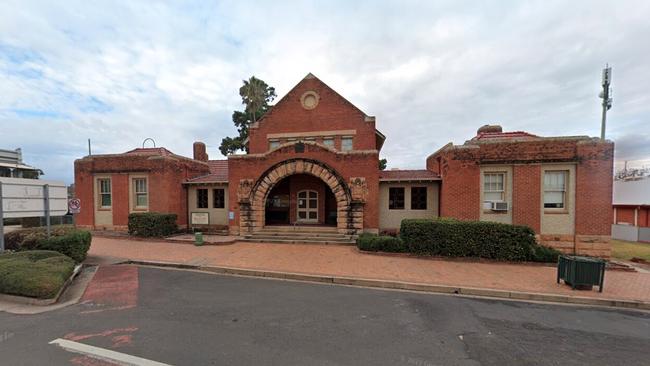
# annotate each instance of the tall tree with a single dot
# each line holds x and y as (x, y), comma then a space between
(382, 164)
(256, 96)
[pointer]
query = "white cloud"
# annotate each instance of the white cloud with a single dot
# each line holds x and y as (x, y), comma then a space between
(430, 72)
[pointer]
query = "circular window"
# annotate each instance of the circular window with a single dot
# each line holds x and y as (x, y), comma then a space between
(309, 100)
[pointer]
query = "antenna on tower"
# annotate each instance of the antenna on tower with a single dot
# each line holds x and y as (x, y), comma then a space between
(604, 95)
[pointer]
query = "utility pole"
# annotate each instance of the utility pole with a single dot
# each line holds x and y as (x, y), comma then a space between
(604, 95)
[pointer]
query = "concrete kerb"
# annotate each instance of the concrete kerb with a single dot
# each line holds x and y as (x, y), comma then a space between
(407, 286)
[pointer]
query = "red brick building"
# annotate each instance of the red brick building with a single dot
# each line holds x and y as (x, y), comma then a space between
(313, 162)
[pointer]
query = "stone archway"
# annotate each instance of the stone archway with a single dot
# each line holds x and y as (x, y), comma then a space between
(252, 194)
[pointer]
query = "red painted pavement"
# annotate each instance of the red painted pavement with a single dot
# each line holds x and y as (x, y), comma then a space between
(112, 288)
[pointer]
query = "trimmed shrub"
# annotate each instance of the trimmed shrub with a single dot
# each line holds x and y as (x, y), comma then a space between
(380, 243)
(545, 254)
(74, 244)
(454, 238)
(150, 224)
(39, 274)
(28, 239)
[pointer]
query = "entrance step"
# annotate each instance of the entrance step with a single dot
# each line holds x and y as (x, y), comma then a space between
(300, 235)
(301, 228)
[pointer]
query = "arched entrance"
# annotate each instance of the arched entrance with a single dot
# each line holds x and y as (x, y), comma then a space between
(253, 195)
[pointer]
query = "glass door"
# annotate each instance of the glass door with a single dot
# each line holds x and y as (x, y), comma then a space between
(308, 206)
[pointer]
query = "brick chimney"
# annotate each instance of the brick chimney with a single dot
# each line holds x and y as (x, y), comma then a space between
(489, 128)
(200, 152)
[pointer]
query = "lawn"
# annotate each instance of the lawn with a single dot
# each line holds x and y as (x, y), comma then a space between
(36, 273)
(627, 250)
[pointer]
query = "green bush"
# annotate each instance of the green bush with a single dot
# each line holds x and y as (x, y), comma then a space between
(545, 254)
(63, 239)
(482, 239)
(28, 239)
(39, 274)
(74, 244)
(150, 224)
(380, 243)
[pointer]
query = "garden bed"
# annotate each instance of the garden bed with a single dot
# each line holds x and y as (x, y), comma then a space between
(39, 274)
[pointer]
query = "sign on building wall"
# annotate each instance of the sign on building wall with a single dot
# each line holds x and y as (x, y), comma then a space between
(200, 218)
(26, 197)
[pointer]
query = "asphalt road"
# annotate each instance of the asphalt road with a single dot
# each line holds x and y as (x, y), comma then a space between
(189, 318)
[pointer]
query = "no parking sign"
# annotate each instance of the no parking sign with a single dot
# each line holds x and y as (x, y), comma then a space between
(74, 205)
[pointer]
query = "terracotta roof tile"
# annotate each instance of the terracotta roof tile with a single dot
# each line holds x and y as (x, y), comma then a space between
(218, 173)
(505, 135)
(406, 175)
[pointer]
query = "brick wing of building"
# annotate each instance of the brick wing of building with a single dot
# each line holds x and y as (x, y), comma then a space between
(312, 162)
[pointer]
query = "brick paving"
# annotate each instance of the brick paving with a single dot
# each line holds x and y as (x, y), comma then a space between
(346, 261)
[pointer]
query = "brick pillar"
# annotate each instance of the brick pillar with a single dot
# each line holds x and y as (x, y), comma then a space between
(526, 196)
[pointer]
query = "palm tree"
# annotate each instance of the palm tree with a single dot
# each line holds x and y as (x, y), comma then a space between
(254, 95)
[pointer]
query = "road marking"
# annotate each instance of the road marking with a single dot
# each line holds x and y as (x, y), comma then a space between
(104, 354)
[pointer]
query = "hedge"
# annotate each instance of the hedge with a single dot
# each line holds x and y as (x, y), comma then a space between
(63, 239)
(39, 274)
(380, 243)
(74, 244)
(482, 239)
(27, 239)
(152, 224)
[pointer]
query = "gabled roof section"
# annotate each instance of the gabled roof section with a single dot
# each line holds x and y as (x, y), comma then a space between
(218, 173)
(309, 76)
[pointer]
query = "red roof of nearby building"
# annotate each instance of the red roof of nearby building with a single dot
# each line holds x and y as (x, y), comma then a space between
(505, 135)
(218, 173)
(406, 175)
(151, 151)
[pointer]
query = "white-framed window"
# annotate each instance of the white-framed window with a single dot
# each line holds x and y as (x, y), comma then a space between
(141, 195)
(555, 183)
(328, 141)
(346, 143)
(274, 144)
(105, 197)
(494, 184)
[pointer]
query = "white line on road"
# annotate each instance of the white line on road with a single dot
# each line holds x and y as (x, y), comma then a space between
(104, 354)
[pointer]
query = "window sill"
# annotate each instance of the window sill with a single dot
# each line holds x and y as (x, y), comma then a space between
(556, 212)
(141, 209)
(491, 212)
(105, 209)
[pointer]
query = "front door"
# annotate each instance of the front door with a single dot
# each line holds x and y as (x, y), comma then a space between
(308, 206)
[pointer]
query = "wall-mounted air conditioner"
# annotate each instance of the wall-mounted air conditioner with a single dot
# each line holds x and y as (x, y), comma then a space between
(499, 206)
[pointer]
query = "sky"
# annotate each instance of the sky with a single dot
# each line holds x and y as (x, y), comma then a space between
(118, 72)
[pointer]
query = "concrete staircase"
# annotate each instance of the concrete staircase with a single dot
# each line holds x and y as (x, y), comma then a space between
(300, 235)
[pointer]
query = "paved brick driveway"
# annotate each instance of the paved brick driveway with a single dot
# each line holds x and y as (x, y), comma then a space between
(346, 261)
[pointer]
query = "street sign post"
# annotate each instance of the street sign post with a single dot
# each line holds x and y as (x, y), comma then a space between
(31, 198)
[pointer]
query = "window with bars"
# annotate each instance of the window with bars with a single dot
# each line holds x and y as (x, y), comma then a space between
(396, 198)
(141, 196)
(219, 198)
(494, 187)
(105, 199)
(418, 198)
(555, 189)
(201, 198)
